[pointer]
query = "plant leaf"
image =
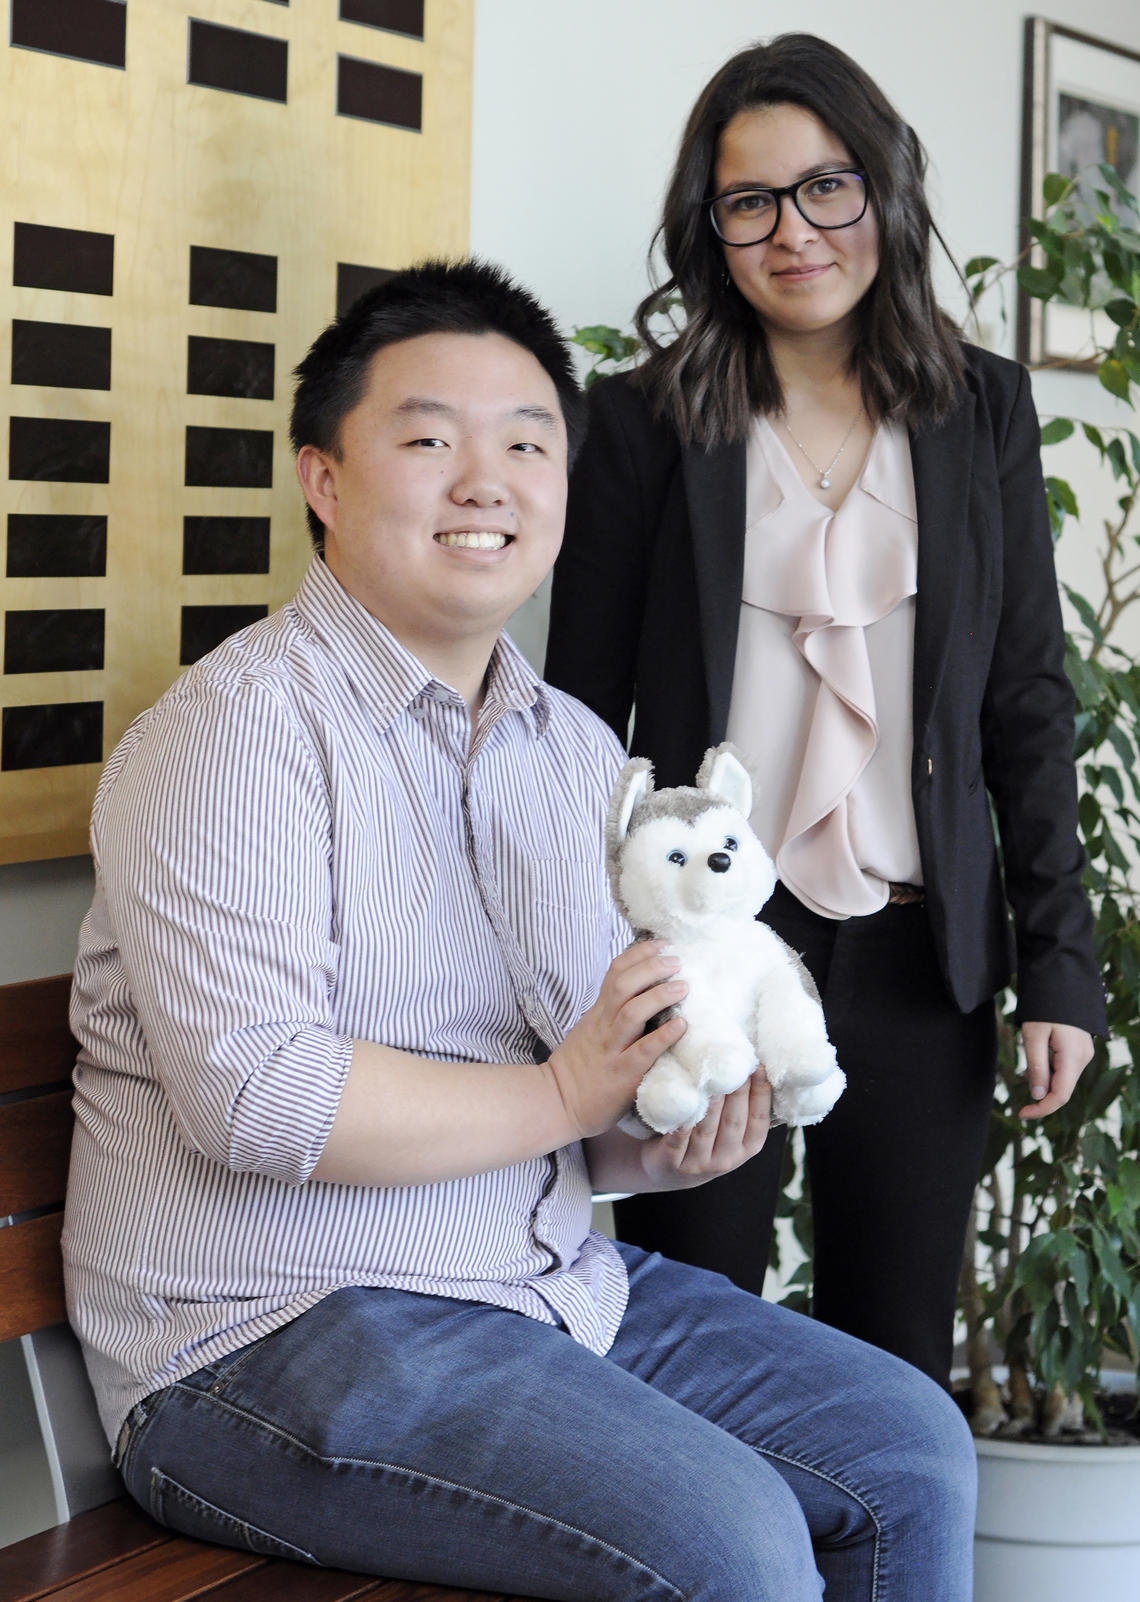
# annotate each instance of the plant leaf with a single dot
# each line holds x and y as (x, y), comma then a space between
(1114, 377)
(1056, 429)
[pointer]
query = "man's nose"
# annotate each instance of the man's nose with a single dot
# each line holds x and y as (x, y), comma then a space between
(479, 482)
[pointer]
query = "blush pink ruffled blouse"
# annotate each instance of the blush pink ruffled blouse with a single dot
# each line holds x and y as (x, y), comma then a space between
(821, 703)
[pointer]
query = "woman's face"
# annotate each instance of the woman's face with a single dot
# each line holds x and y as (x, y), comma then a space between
(804, 279)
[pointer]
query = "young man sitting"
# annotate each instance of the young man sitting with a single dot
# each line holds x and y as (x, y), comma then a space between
(358, 1022)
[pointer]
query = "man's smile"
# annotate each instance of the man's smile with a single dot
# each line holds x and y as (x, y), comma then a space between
(471, 539)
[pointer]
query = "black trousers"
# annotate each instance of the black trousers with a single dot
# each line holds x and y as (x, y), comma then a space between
(892, 1167)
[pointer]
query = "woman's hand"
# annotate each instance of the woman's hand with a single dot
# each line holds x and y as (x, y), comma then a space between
(604, 1058)
(1055, 1057)
(733, 1130)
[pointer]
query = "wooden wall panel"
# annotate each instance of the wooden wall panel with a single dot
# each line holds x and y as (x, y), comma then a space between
(162, 165)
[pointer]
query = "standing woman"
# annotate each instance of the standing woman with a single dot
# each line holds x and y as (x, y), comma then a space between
(814, 523)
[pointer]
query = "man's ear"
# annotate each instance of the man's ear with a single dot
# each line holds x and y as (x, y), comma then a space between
(316, 474)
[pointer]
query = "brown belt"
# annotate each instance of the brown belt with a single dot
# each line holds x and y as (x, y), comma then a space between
(905, 895)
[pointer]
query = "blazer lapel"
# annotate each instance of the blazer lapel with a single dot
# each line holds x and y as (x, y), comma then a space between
(942, 460)
(715, 491)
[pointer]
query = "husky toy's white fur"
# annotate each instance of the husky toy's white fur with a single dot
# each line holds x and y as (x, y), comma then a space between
(686, 867)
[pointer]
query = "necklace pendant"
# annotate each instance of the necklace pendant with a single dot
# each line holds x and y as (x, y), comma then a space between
(825, 482)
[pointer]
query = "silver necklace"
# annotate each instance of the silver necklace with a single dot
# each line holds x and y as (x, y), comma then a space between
(824, 472)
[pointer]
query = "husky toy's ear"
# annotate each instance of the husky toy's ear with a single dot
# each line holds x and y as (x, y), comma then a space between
(634, 783)
(724, 775)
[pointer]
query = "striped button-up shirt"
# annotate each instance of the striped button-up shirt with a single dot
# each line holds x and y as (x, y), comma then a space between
(301, 845)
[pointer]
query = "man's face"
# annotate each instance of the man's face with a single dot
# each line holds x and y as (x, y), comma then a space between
(444, 507)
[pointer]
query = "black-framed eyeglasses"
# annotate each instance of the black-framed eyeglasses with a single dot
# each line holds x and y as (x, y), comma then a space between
(825, 200)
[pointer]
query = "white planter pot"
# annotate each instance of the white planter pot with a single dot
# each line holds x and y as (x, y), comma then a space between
(1057, 1523)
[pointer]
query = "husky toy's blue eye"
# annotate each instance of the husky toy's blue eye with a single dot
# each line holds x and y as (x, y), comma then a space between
(678, 857)
(730, 844)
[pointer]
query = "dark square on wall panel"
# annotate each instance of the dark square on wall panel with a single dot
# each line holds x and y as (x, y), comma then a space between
(240, 62)
(63, 258)
(231, 458)
(225, 545)
(61, 355)
(396, 16)
(352, 280)
(239, 367)
(89, 30)
(56, 545)
(56, 736)
(63, 451)
(203, 627)
(241, 279)
(379, 94)
(53, 640)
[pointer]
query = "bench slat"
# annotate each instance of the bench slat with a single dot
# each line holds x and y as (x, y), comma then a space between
(38, 1565)
(172, 1572)
(35, 1144)
(37, 1046)
(31, 1276)
(294, 1582)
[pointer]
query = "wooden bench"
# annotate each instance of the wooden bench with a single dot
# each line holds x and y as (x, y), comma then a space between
(103, 1546)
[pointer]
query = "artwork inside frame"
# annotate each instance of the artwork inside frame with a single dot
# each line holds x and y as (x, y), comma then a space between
(1081, 108)
(163, 267)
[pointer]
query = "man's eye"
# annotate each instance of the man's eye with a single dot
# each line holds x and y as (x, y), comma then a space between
(677, 857)
(430, 444)
(527, 446)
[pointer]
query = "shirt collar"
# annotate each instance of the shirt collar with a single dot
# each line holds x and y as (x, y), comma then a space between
(386, 673)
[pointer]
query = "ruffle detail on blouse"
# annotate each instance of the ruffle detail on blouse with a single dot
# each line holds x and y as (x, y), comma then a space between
(835, 573)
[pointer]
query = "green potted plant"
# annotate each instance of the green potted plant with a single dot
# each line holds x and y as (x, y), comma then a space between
(1051, 1278)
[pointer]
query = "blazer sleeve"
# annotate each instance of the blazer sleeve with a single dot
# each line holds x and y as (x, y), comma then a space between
(1027, 743)
(602, 574)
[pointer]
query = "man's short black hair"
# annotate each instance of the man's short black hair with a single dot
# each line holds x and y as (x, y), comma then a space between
(435, 297)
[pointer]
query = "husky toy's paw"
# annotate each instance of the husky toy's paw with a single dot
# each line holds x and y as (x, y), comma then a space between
(725, 1067)
(807, 1104)
(667, 1097)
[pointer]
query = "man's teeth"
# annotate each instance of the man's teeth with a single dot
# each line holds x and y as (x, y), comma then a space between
(474, 541)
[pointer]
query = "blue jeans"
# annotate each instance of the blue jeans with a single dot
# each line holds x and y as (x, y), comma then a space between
(724, 1450)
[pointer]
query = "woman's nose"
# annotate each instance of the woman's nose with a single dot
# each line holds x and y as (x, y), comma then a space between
(792, 229)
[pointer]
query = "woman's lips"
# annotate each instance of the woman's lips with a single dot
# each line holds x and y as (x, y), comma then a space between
(798, 275)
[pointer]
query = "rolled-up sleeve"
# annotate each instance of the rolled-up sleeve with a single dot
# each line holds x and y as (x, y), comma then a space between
(212, 846)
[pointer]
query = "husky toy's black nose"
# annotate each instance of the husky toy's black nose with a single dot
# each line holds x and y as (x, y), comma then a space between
(720, 862)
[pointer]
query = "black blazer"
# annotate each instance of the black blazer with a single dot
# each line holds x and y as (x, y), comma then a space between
(644, 617)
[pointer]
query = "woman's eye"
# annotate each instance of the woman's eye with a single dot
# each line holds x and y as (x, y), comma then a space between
(731, 844)
(527, 446)
(831, 185)
(677, 857)
(750, 203)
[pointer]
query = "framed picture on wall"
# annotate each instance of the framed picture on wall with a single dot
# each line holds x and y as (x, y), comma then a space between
(1081, 109)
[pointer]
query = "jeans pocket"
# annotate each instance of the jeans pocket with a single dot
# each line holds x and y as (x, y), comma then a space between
(172, 1505)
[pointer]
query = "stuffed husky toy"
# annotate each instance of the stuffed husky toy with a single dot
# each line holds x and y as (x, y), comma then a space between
(685, 867)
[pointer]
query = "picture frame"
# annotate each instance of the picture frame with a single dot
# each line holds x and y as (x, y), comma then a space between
(1081, 107)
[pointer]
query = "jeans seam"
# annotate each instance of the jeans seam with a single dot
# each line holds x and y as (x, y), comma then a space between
(450, 1485)
(821, 1474)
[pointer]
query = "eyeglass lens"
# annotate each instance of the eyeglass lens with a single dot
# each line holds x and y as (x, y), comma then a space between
(826, 200)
